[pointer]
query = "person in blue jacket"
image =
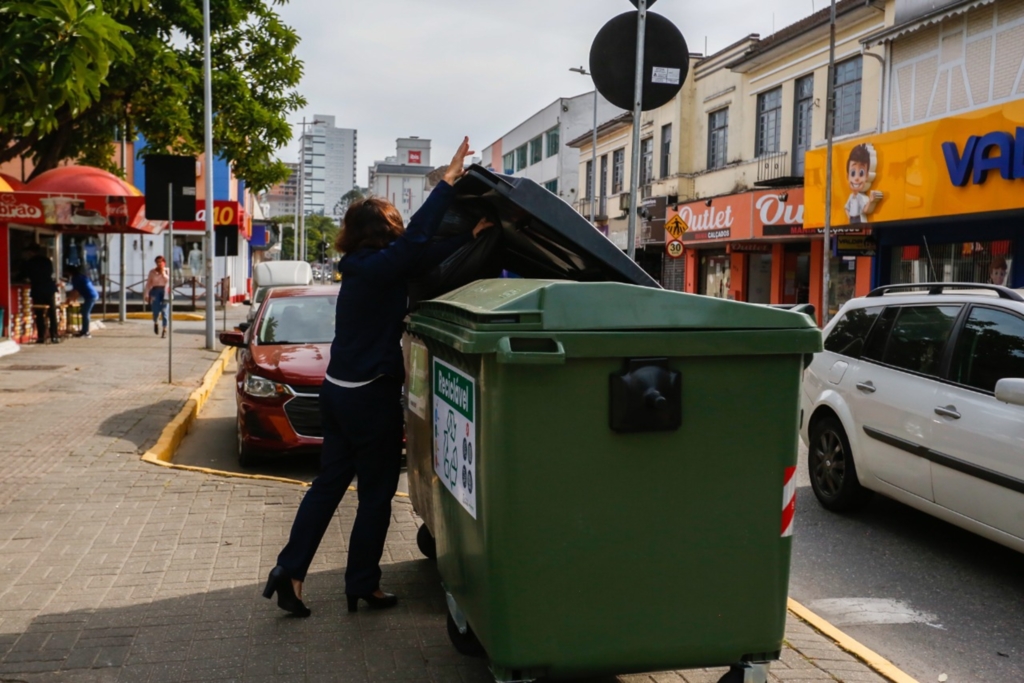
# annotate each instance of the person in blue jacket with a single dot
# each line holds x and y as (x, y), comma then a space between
(361, 396)
(86, 291)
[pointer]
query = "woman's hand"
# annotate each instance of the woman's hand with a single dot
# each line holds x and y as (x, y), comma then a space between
(482, 225)
(456, 169)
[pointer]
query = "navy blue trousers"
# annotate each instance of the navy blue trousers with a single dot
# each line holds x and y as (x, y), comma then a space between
(362, 437)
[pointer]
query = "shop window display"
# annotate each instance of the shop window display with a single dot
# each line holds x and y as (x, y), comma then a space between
(842, 282)
(978, 262)
(715, 275)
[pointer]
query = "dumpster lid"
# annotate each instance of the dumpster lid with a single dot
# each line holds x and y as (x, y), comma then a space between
(543, 237)
(574, 306)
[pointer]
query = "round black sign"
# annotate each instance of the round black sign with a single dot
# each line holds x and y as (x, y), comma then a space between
(613, 61)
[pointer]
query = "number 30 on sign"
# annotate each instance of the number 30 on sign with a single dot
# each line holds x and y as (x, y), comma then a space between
(674, 248)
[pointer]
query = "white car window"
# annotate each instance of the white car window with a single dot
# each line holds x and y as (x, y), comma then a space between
(848, 336)
(918, 338)
(989, 348)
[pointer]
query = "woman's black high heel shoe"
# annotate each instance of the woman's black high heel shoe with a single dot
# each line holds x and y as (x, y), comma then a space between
(372, 600)
(279, 582)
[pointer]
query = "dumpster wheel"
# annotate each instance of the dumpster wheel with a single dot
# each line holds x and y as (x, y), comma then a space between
(747, 672)
(464, 643)
(426, 543)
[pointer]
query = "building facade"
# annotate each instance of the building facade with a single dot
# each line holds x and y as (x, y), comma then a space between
(403, 178)
(328, 166)
(747, 117)
(946, 203)
(282, 199)
(536, 149)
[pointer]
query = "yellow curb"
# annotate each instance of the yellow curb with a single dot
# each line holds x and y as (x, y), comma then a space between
(195, 317)
(162, 452)
(862, 652)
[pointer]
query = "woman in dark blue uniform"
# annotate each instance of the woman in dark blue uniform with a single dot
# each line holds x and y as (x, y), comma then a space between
(360, 400)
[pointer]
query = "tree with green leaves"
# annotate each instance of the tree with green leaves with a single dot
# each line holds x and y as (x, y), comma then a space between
(74, 71)
(319, 230)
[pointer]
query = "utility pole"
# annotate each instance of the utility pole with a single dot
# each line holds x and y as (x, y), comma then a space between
(122, 293)
(638, 94)
(830, 116)
(208, 126)
(593, 154)
(300, 218)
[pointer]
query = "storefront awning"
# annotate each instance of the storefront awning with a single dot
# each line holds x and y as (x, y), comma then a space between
(77, 199)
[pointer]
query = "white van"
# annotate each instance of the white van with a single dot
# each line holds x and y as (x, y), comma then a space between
(275, 274)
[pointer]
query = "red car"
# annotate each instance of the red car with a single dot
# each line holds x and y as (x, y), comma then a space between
(281, 364)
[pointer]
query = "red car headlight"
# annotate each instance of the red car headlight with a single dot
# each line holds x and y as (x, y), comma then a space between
(261, 387)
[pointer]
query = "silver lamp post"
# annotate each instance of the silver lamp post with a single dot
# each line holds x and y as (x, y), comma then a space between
(830, 115)
(208, 150)
(593, 152)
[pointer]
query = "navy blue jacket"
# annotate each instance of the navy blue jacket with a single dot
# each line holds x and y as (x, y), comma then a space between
(374, 297)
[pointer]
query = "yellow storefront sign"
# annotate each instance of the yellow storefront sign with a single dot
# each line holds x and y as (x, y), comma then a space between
(971, 163)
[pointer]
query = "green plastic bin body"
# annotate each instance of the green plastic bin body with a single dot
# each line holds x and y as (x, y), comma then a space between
(586, 551)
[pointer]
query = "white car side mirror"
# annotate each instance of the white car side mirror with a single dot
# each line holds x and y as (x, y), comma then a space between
(1010, 390)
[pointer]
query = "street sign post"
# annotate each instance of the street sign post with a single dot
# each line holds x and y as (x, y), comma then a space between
(639, 62)
(675, 227)
(674, 249)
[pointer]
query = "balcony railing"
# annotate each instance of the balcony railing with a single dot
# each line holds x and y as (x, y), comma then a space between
(773, 168)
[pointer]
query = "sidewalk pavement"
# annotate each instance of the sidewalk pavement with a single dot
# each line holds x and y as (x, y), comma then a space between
(112, 569)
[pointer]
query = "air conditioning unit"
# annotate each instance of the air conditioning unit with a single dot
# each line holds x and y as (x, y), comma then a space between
(624, 201)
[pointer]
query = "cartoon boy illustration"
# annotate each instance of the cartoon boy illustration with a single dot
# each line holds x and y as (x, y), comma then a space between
(860, 172)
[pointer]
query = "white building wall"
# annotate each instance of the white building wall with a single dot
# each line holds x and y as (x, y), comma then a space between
(142, 250)
(330, 165)
(572, 116)
(407, 193)
(414, 151)
(968, 61)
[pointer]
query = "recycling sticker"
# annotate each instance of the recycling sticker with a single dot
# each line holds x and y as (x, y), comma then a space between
(455, 433)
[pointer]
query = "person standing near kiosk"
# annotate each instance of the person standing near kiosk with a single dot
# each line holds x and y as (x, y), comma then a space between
(43, 290)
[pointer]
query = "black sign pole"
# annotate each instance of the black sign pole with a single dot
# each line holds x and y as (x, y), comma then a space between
(638, 94)
(170, 285)
(224, 284)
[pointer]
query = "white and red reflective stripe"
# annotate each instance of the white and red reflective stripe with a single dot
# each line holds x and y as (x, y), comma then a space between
(788, 500)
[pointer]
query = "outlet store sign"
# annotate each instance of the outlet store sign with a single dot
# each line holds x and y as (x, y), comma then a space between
(966, 164)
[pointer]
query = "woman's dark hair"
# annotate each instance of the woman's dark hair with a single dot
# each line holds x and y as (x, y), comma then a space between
(74, 270)
(371, 223)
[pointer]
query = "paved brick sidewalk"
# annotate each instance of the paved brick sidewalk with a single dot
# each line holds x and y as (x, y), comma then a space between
(114, 570)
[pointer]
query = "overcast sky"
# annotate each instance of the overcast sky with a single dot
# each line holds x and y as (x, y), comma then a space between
(440, 69)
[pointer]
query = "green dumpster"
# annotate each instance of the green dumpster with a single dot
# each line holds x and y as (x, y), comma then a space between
(607, 470)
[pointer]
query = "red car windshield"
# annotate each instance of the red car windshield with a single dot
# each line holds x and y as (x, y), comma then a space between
(298, 320)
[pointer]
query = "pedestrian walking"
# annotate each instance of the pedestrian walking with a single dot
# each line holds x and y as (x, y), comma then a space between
(155, 294)
(86, 291)
(38, 270)
(360, 399)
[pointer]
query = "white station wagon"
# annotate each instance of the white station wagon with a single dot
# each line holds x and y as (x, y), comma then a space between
(919, 396)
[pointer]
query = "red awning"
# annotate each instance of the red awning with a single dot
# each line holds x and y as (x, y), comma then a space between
(81, 180)
(79, 199)
(9, 183)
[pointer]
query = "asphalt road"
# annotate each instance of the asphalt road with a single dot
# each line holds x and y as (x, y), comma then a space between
(211, 441)
(931, 598)
(928, 596)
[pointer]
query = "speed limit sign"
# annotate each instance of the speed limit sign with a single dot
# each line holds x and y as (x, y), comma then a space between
(674, 248)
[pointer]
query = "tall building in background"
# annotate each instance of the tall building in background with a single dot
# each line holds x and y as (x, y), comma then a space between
(280, 199)
(402, 179)
(329, 167)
